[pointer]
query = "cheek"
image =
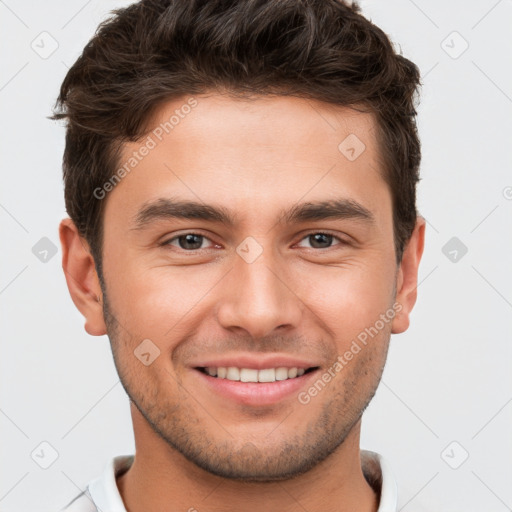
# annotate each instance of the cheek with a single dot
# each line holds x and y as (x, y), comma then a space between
(349, 300)
(155, 301)
(358, 283)
(158, 302)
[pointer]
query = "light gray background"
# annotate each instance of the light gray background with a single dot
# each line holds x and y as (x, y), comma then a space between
(448, 378)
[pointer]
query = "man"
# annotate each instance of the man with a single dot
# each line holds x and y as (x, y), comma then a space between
(240, 178)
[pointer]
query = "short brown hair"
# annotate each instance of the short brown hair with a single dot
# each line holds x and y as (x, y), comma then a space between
(156, 50)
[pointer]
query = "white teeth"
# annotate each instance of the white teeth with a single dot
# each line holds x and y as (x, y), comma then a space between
(281, 373)
(253, 375)
(248, 375)
(233, 373)
(267, 375)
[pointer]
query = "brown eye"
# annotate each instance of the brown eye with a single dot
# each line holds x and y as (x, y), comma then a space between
(322, 240)
(187, 241)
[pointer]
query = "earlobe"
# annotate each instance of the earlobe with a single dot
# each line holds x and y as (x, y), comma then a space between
(407, 277)
(81, 277)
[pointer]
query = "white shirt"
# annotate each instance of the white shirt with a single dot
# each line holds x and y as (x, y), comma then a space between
(102, 494)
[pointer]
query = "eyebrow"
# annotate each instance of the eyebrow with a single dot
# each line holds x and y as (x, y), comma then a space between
(166, 208)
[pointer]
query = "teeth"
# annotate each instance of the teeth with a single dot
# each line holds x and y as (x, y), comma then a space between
(248, 375)
(233, 373)
(281, 373)
(253, 375)
(267, 375)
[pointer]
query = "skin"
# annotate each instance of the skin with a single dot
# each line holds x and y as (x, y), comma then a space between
(193, 447)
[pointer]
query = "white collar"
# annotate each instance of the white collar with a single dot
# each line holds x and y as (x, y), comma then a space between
(103, 490)
(377, 471)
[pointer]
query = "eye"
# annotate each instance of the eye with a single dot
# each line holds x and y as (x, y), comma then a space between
(321, 240)
(187, 241)
(194, 241)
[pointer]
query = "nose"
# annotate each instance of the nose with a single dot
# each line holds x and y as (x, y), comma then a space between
(258, 297)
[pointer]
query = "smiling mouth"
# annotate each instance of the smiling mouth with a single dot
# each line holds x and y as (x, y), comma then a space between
(253, 375)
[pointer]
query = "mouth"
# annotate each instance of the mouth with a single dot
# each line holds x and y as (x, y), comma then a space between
(236, 374)
(255, 387)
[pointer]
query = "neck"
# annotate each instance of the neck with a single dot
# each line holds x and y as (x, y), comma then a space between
(160, 478)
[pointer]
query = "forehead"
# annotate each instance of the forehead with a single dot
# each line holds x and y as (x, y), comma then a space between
(300, 123)
(252, 153)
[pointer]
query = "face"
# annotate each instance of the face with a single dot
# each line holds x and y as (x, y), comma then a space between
(251, 277)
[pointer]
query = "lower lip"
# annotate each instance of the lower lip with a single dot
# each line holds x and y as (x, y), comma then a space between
(256, 393)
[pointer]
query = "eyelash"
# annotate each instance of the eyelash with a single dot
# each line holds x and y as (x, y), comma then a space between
(340, 240)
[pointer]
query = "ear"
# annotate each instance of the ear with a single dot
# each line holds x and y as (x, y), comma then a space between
(407, 277)
(81, 277)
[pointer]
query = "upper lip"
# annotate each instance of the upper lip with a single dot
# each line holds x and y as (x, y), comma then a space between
(257, 362)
